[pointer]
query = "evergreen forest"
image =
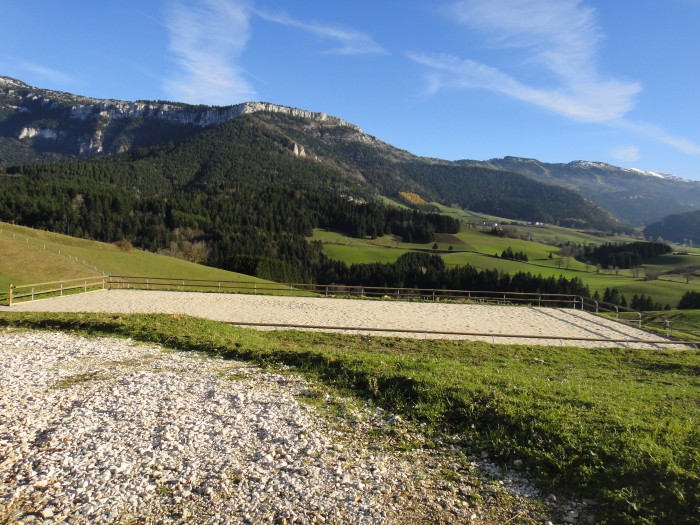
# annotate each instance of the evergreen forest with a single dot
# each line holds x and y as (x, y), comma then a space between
(625, 255)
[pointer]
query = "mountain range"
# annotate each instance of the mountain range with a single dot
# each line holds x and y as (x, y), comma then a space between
(44, 126)
(635, 196)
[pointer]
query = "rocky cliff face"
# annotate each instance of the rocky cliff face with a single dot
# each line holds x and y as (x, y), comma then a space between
(201, 116)
(69, 124)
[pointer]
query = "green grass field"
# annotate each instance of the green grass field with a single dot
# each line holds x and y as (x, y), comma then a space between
(478, 248)
(33, 256)
(468, 216)
(23, 263)
(620, 426)
(681, 324)
(393, 202)
(542, 233)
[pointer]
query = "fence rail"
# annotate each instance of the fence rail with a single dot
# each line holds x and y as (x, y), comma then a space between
(42, 245)
(629, 316)
(426, 294)
(33, 291)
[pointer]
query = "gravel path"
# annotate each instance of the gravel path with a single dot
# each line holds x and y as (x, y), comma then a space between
(483, 319)
(107, 431)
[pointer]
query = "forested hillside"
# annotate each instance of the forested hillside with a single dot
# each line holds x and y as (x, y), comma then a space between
(265, 143)
(252, 228)
(483, 189)
(683, 228)
(625, 255)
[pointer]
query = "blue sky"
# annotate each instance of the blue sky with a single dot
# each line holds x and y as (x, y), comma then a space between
(557, 80)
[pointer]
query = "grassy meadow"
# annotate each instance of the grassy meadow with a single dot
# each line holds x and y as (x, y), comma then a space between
(619, 426)
(680, 324)
(32, 256)
(23, 263)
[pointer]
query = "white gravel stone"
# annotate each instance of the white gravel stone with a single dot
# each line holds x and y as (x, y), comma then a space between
(105, 430)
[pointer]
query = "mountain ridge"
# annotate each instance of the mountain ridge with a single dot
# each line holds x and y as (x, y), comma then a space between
(52, 126)
(600, 165)
(20, 98)
(636, 196)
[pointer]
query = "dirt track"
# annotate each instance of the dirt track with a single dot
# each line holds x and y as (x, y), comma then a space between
(554, 324)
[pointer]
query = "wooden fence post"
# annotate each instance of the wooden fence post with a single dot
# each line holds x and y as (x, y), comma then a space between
(10, 295)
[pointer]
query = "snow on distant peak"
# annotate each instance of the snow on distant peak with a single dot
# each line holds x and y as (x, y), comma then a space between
(647, 173)
(655, 174)
(590, 164)
(635, 171)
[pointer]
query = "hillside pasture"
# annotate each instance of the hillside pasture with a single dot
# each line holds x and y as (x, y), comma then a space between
(364, 254)
(34, 256)
(23, 263)
(547, 233)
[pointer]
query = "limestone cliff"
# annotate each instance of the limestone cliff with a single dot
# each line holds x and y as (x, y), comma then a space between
(84, 126)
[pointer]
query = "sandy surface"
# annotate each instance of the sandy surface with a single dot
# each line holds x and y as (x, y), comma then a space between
(496, 321)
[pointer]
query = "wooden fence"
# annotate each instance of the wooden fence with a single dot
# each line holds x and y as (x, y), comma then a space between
(32, 291)
(54, 288)
(335, 290)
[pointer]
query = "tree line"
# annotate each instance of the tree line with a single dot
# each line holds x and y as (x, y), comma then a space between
(642, 303)
(508, 253)
(428, 271)
(625, 255)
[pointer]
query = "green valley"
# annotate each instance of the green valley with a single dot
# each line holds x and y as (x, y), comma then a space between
(671, 275)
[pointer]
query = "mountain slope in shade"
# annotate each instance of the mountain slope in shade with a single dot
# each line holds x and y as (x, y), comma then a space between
(347, 160)
(683, 228)
(636, 196)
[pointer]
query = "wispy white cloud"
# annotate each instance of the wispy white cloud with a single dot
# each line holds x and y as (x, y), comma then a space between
(349, 41)
(207, 38)
(558, 37)
(589, 102)
(625, 153)
(682, 144)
